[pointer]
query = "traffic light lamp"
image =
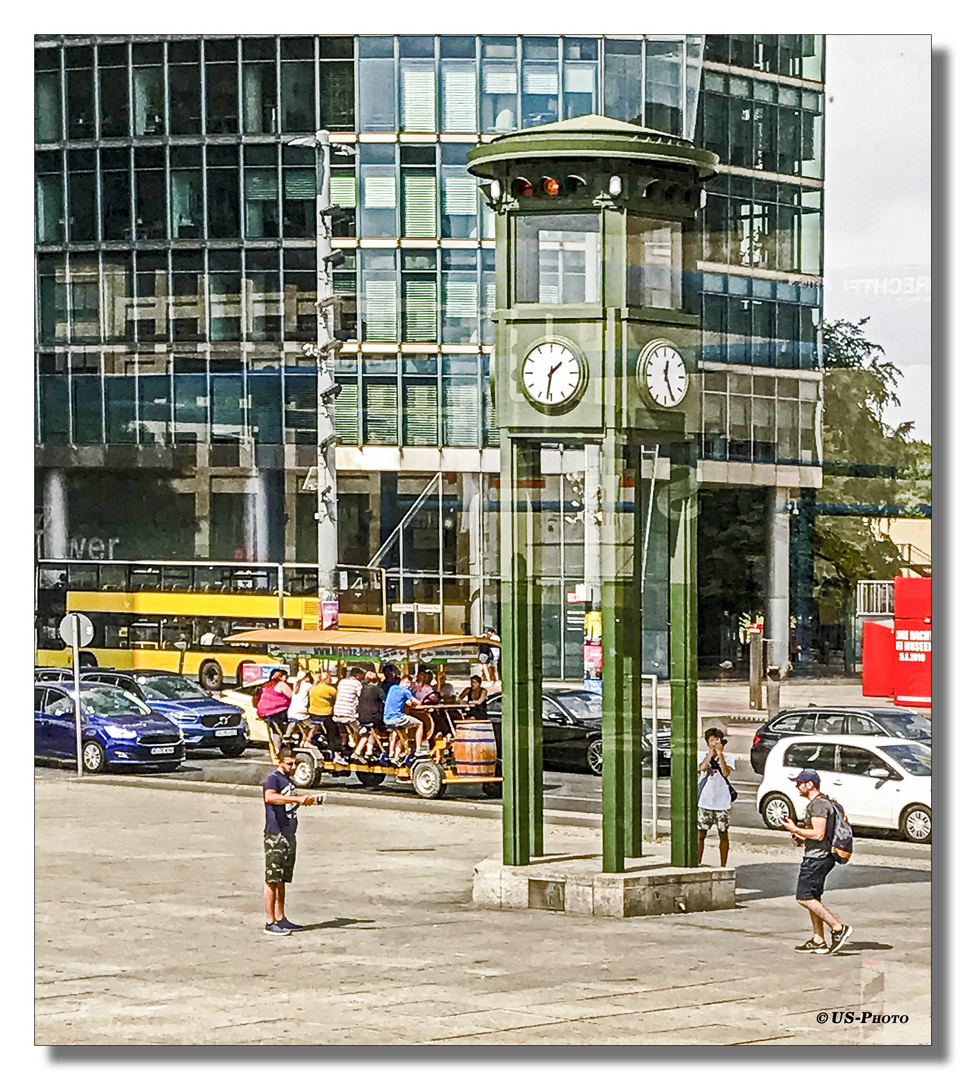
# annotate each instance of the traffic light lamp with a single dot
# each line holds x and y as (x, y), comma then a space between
(549, 187)
(334, 258)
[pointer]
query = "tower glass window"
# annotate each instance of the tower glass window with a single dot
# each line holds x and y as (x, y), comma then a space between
(112, 75)
(377, 85)
(622, 80)
(259, 87)
(558, 258)
(654, 254)
(261, 191)
(221, 87)
(148, 77)
(47, 112)
(79, 64)
(184, 87)
(499, 98)
(664, 85)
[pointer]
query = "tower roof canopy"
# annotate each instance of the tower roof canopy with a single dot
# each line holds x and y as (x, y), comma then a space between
(591, 136)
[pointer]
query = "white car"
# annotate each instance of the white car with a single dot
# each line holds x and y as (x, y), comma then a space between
(881, 782)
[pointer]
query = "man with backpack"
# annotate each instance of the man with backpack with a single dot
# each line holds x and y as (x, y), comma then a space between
(823, 849)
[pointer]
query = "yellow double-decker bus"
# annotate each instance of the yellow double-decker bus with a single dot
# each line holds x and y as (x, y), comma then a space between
(175, 616)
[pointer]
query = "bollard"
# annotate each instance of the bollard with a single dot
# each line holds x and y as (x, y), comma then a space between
(773, 691)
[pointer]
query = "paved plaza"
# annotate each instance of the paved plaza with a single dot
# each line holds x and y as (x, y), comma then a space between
(149, 931)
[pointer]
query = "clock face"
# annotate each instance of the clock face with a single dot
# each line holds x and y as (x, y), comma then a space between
(552, 375)
(662, 370)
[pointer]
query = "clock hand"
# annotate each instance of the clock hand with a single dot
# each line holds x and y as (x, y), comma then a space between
(551, 372)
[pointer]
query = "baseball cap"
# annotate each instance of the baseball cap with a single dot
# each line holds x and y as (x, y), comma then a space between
(805, 776)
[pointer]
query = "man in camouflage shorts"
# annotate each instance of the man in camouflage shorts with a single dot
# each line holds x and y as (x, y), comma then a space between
(281, 805)
(714, 793)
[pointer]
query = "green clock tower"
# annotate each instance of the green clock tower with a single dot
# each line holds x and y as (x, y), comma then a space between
(597, 342)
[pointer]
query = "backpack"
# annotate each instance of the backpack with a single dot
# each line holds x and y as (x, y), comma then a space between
(841, 836)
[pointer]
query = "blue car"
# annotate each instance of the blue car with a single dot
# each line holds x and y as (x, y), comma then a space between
(117, 728)
(205, 722)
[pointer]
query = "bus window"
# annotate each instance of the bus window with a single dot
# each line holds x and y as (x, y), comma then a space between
(113, 577)
(145, 578)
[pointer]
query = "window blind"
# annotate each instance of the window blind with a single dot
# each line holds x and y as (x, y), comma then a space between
(419, 204)
(460, 195)
(461, 412)
(380, 413)
(539, 80)
(380, 308)
(461, 299)
(261, 185)
(420, 420)
(419, 313)
(418, 99)
(346, 409)
(459, 99)
(379, 192)
(342, 191)
(499, 80)
(299, 184)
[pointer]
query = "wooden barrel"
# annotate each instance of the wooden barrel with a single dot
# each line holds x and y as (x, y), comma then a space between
(474, 748)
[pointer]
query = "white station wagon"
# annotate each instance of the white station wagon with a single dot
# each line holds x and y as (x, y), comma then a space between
(881, 782)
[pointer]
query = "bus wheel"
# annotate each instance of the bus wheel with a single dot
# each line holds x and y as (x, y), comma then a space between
(306, 772)
(210, 676)
(87, 660)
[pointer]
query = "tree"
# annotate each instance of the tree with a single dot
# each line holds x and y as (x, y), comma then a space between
(866, 463)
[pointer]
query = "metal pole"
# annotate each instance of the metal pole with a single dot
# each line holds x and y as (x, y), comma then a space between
(75, 627)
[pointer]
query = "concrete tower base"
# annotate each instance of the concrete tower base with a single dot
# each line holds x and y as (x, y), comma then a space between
(575, 885)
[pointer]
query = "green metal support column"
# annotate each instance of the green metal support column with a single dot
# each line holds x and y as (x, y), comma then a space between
(521, 651)
(684, 653)
(621, 633)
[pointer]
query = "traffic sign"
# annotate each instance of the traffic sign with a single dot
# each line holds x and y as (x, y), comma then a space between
(85, 629)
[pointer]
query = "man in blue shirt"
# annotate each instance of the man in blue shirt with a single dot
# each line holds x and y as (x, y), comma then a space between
(281, 808)
(396, 719)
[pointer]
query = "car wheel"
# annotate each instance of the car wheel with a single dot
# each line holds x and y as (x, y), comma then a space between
(306, 772)
(93, 757)
(235, 748)
(773, 809)
(595, 756)
(370, 779)
(210, 675)
(916, 824)
(428, 780)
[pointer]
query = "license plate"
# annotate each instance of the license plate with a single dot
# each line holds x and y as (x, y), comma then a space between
(223, 732)
(162, 749)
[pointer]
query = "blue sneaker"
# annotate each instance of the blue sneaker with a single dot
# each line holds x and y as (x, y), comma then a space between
(384, 759)
(290, 926)
(277, 930)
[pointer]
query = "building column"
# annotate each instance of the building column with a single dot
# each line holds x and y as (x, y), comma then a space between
(776, 612)
(56, 520)
(202, 495)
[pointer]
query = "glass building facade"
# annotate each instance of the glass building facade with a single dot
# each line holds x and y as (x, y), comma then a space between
(175, 287)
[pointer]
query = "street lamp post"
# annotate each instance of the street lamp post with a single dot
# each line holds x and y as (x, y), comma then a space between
(326, 347)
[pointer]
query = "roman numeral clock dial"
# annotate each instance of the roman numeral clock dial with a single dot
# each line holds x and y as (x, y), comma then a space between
(662, 374)
(553, 376)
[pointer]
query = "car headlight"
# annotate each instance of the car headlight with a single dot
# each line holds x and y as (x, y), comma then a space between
(118, 732)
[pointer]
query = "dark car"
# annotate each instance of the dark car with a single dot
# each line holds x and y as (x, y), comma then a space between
(838, 720)
(206, 723)
(572, 730)
(117, 728)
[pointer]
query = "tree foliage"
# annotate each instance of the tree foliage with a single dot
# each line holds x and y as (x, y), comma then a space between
(867, 463)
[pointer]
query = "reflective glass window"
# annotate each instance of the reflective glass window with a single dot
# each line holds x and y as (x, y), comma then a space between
(52, 299)
(298, 95)
(342, 192)
(298, 295)
(223, 192)
(654, 254)
(86, 391)
(47, 115)
(377, 94)
(112, 74)
(150, 201)
(265, 406)
(148, 95)
(420, 297)
(622, 80)
(417, 95)
(54, 409)
(49, 208)
(663, 87)
(186, 193)
(188, 295)
(378, 190)
(379, 296)
(79, 65)
(117, 291)
(261, 191)
(298, 191)
(154, 409)
(499, 103)
(263, 301)
(184, 88)
(116, 194)
(224, 295)
(221, 88)
(151, 290)
(458, 96)
(337, 95)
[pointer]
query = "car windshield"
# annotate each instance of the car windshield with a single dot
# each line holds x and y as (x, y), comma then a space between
(909, 725)
(916, 760)
(580, 703)
(172, 687)
(112, 701)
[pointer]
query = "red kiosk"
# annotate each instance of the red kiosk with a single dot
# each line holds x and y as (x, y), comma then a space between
(897, 660)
